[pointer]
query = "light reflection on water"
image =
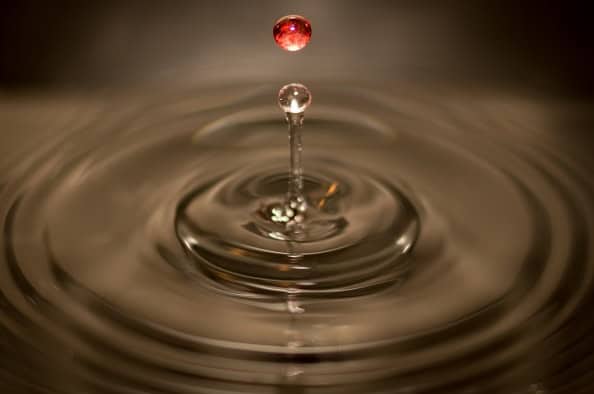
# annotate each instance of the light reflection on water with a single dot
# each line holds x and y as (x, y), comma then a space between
(100, 295)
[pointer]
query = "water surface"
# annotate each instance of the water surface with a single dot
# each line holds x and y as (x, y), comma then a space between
(106, 201)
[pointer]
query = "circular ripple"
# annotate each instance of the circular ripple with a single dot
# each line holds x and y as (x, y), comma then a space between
(99, 295)
(358, 230)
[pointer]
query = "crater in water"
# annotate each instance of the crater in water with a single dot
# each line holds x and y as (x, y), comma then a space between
(449, 251)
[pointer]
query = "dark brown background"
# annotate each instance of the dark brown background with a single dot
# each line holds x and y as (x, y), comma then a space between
(543, 46)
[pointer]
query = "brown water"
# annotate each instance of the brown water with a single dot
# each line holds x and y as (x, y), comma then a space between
(450, 250)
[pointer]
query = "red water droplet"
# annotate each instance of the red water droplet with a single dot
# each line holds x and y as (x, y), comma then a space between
(292, 32)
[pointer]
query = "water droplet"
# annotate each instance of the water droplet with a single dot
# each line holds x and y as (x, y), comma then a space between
(294, 98)
(292, 32)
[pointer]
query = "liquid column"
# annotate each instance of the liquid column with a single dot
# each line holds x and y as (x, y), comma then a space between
(294, 99)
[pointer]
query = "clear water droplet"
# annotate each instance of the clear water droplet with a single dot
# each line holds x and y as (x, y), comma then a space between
(294, 98)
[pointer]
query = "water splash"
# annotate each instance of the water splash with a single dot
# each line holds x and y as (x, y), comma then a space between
(106, 286)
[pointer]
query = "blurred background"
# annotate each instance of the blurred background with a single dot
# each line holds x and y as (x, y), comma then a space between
(542, 47)
(530, 64)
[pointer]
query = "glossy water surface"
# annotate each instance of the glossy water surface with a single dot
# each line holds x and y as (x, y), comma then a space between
(449, 251)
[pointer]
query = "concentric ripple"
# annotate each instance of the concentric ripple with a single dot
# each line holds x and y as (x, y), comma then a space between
(357, 234)
(449, 249)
